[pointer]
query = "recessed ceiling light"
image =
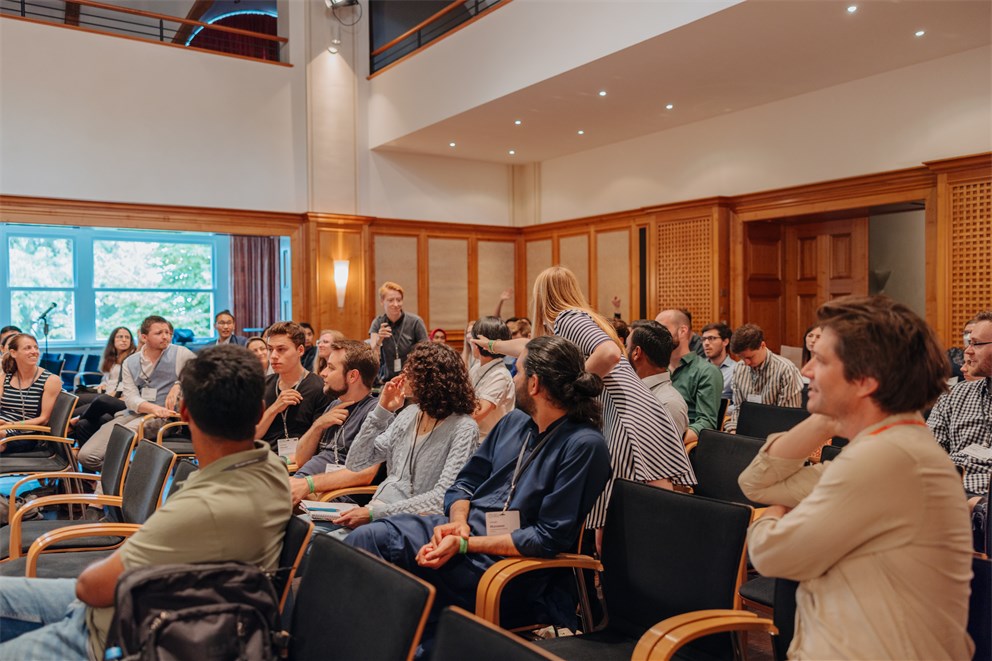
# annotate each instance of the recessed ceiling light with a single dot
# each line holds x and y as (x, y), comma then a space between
(581, 132)
(670, 106)
(451, 144)
(602, 92)
(512, 152)
(517, 122)
(920, 33)
(852, 8)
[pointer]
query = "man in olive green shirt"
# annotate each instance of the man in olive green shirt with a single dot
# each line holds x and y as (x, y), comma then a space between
(697, 380)
(235, 508)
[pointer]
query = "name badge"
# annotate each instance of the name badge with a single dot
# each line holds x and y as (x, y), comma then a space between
(502, 523)
(149, 394)
(287, 447)
(397, 365)
(754, 399)
(333, 468)
(978, 452)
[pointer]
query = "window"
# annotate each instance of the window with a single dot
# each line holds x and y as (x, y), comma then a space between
(101, 278)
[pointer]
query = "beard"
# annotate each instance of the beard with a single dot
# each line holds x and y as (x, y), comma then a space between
(333, 393)
(524, 401)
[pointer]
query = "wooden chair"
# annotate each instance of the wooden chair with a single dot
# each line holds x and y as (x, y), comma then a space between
(170, 436)
(16, 538)
(295, 541)
(53, 451)
(760, 420)
(664, 553)
(718, 459)
(51, 555)
(351, 605)
(462, 635)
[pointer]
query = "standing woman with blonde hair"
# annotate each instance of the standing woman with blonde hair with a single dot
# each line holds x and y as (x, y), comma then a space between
(27, 393)
(645, 445)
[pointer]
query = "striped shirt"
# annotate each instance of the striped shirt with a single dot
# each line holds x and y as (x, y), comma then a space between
(776, 381)
(17, 405)
(960, 419)
(644, 442)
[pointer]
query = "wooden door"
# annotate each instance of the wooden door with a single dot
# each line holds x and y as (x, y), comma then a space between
(823, 260)
(763, 282)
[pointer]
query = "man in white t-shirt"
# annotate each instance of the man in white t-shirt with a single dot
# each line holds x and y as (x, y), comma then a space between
(649, 350)
(492, 381)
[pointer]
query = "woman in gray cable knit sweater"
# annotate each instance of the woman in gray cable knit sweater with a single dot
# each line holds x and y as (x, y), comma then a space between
(426, 444)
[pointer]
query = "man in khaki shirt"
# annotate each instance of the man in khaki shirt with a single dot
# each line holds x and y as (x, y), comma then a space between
(235, 508)
(879, 539)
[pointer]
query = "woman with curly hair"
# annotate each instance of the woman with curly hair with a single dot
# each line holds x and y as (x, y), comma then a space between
(425, 445)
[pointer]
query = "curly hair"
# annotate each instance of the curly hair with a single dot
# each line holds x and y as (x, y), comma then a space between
(439, 380)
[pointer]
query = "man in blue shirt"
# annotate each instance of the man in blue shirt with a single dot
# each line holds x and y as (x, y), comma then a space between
(525, 492)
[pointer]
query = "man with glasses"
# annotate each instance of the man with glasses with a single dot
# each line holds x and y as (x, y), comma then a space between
(716, 339)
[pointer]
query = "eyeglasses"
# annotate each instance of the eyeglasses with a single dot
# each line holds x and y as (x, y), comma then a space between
(711, 338)
(972, 343)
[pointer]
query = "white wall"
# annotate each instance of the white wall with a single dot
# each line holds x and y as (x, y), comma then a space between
(91, 117)
(898, 119)
(897, 243)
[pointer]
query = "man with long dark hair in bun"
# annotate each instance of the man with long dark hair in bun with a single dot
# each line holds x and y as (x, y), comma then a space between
(525, 492)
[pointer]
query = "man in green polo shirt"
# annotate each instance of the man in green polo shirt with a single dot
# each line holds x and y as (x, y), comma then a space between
(235, 508)
(697, 380)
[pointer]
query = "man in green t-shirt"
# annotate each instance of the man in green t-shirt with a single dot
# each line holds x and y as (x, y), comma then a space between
(235, 508)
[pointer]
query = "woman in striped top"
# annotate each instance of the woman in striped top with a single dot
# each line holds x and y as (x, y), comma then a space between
(644, 443)
(28, 392)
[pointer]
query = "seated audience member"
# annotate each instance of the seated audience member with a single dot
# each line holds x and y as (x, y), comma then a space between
(699, 382)
(878, 538)
(716, 339)
(323, 449)
(544, 465)
(761, 376)
(649, 348)
(439, 336)
(810, 337)
(394, 332)
(326, 338)
(425, 445)
(258, 347)
(151, 386)
(294, 396)
(621, 327)
(234, 508)
(226, 329)
(27, 393)
(6, 333)
(955, 355)
(309, 346)
(519, 327)
(961, 419)
(490, 379)
(695, 342)
(101, 409)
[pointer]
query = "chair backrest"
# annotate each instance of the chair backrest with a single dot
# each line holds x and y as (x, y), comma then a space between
(92, 363)
(382, 616)
(53, 366)
(72, 361)
(667, 553)
(115, 466)
(722, 412)
(760, 420)
(784, 616)
(58, 420)
(980, 608)
(718, 460)
(146, 476)
(294, 543)
(184, 468)
(461, 635)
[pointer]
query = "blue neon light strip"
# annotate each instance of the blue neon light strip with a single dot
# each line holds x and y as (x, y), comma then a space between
(255, 12)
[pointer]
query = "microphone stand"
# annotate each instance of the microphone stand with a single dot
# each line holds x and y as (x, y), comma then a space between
(44, 325)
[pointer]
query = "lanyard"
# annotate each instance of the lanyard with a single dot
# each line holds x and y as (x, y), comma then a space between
(411, 464)
(396, 333)
(518, 469)
(246, 462)
(147, 377)
(495, 363)
(285, 429)
(918, 423)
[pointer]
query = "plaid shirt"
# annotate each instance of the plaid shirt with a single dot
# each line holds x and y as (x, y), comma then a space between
(963, 417)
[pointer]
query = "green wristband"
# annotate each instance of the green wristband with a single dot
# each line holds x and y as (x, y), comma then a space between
(309, 480)
(463, 545)
(371, 516)
(491, 343)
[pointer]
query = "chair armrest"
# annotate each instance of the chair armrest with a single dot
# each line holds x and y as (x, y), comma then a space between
(664, 639)
(690, 445)
(20, 426)
(45, 476)
(62, 499)
(490, 589)
(74, 532)
(168, 425)
(346, 491)
(37, 437)
(78, 379)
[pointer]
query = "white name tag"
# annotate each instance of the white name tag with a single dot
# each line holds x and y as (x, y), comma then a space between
(754, 399)
(502, 523)
(397, 365)
(149, 394)
(287, 447)
(978, 452)
(333, 468)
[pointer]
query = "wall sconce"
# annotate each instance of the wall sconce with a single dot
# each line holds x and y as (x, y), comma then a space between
(335, 46)
(341, 279)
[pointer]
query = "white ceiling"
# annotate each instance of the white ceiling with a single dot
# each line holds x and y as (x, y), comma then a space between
(751, 54)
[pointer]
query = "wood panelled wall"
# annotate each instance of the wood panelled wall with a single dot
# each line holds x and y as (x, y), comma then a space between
(711, 256)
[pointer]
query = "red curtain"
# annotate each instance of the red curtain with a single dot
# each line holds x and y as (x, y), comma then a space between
(256, 281)
(240, 44)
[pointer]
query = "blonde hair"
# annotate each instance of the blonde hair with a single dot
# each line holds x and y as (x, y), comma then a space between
(556, 289)
(386, 286)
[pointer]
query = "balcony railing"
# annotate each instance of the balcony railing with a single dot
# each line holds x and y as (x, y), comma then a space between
(452, 17)
(149, 26)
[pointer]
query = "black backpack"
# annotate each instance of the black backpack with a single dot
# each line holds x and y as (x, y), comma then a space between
(210, 612)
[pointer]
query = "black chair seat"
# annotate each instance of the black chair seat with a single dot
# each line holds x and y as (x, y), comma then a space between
(18, 463)
(598, 646)
(32, 530)
(55, 565)
(760, 590)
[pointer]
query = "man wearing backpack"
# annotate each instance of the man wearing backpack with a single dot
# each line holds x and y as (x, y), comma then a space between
(235, 508)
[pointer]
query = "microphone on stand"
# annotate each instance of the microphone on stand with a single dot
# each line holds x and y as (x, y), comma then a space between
(50, 308)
